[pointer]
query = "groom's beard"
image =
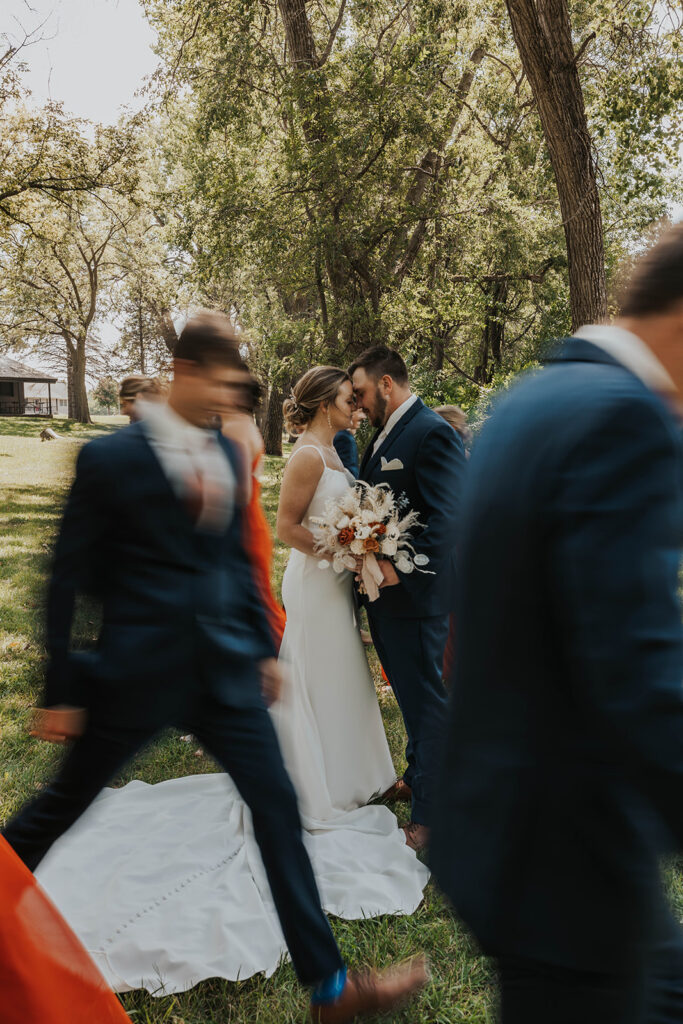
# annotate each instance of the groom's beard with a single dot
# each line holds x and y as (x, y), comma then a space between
(379, 413)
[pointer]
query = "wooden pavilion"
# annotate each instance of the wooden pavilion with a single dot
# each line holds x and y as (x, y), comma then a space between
(13, 401)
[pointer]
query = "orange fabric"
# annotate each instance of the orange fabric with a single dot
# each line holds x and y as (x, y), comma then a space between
(259, 546)
(46, 976)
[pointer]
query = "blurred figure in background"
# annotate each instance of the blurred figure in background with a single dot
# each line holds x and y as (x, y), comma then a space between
(345, 444)
(151, 389)
(563, 778)
(46, 975)
(240, 427)
(454, 415)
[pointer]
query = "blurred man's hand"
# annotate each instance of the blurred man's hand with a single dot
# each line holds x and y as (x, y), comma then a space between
(58, 724)
(271, 680)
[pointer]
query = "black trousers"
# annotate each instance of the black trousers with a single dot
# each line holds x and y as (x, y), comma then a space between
(244, 743)
(649, 991)
(411, 652)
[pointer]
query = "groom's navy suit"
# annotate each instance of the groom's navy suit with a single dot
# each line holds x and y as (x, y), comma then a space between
(182, 633)
(563, 775)
(422, 459)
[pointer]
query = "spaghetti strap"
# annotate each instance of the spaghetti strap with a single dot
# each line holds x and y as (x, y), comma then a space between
(315, 448)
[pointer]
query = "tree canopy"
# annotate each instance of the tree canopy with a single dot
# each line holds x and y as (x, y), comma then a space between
(343, 172)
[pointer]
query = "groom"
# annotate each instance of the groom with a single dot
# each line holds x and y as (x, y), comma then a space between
(419, 456)
(153, 528)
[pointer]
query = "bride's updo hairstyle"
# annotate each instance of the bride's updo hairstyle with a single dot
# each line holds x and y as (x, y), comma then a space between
(318, 385)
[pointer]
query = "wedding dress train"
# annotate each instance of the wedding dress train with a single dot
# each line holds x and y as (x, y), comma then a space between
(164, 884)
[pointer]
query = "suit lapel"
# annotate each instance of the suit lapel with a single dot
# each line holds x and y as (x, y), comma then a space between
(393, 437)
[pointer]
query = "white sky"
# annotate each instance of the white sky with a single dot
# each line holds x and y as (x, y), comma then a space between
(93, 56)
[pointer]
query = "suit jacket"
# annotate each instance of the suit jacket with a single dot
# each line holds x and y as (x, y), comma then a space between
(563, 775)
(347, 450)
(180, 611)
(422, 458)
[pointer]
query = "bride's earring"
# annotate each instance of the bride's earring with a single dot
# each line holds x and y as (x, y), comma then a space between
(329, 421)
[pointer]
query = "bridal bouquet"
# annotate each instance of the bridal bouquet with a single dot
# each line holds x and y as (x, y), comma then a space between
(366, 524)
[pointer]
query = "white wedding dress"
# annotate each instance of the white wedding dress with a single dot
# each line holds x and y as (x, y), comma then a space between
(164, 884)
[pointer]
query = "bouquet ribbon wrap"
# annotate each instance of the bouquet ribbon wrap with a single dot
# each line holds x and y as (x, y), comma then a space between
(371, 575)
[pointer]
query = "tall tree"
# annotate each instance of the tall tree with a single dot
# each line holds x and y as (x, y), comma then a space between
(55, 278)
(542, 31)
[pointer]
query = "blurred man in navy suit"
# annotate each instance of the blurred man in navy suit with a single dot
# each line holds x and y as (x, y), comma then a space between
(153, 528)
(562, 783)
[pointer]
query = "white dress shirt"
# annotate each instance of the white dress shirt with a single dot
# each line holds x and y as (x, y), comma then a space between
(192, 460)
(629, 350)
(392, 421)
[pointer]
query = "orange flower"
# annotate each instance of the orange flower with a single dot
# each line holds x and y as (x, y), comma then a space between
(345, 536)
(381, 529)
(371, 544)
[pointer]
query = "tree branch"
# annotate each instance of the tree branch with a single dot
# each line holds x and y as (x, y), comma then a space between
(333, 34)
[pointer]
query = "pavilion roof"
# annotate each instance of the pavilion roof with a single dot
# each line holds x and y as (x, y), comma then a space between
(10, 369)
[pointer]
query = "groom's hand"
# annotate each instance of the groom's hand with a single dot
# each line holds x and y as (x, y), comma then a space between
(391, 577)
(271, 680)
(58, 724)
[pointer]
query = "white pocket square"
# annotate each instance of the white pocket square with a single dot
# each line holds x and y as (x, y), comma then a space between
(394, 464)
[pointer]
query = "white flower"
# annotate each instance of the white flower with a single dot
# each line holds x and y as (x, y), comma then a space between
(389, 547)
(393, 532)
(356, 547)
(323, 564)
(363, 532)
(342, 523)
(421, 560)
(404, 565)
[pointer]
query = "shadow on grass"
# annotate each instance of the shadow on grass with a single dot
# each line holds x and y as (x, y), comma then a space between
(30, 426)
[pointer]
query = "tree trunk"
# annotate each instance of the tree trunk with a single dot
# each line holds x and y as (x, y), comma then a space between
(81, 411)
(141, 339)
(70, 395)
(300, 41)
(493, 335)
(438, 347)
(165, 325)
(272, 433)
(542, 32)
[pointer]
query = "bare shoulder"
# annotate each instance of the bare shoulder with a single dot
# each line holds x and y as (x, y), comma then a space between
(305, 463)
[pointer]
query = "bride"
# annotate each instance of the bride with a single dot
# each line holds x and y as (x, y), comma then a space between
(164, 883)
(328, 719)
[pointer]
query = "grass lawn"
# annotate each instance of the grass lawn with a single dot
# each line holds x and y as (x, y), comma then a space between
(34, 478)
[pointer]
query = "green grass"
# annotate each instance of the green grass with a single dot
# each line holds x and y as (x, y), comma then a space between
(34, 478)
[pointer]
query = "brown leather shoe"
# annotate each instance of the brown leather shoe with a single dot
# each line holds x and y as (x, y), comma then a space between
(373, 992)
(417, 836)
(399, 791)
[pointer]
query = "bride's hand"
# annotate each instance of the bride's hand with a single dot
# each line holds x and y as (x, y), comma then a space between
(271, 680)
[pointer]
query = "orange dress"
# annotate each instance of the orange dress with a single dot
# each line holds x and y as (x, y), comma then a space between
(259, 545)
(46, 976)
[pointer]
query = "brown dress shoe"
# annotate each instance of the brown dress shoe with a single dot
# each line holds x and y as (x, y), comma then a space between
(399, 791)
(373, 992)
(417, 836)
